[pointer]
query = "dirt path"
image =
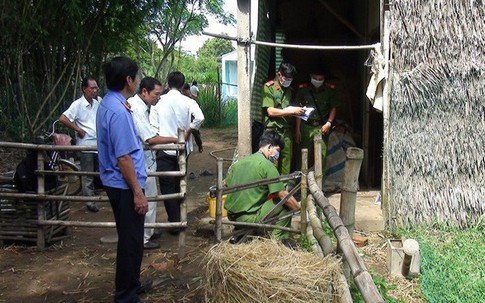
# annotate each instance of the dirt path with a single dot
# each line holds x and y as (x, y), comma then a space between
(81, 269)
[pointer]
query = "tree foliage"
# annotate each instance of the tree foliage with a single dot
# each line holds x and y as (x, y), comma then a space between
(173, 20)
(46, 47)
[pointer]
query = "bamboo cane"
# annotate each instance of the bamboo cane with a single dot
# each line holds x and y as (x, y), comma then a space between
(316, 224)
(350, 187)
(304, 190)
(362, 278)
(182, 161)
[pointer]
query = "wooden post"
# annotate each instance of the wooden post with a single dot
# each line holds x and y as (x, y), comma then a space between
(350, 187)
(182, 158)
(244, 77)
(220, 185)
(362, 278)
(40, 205)
(304, 187)
(317, 142)
(386, 96)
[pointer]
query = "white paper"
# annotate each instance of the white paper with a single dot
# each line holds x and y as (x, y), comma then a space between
(306, 114)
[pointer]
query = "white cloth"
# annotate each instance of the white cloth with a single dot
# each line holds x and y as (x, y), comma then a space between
(83, 114)
(376, 83)
(140, 112)
(194, 91)
(175, 111)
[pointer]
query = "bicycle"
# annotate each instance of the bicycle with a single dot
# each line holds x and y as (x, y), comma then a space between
(57, 161)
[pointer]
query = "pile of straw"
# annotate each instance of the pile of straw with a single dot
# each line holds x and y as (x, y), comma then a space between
(265, 271)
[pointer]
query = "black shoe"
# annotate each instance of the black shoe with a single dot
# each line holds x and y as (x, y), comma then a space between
(175, 231)
(156, 235)
(201, 149)
(151, 245)
(145, 287)
(92, 208)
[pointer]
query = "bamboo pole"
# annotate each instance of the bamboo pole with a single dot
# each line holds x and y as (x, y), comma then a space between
(179, 173)
(324, 241)
(259, 225)
(44, 197)
(350, 187)
(317, 151)
(165, 225)
(40, 206)
(234, 188)
(362, 278)
(182, 160)
(304, 190)
(50, 147)
(219, 193)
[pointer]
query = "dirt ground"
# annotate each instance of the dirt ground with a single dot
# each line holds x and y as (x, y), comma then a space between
(81, 268)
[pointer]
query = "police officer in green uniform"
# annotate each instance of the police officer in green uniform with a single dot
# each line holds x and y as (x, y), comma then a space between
(322, 97)
(253, 204)
(277, 95)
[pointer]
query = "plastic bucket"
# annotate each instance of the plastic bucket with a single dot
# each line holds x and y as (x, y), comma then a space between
(211, 202)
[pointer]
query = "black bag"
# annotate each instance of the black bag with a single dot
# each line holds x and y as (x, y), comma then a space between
(257, 130)
(25, 178)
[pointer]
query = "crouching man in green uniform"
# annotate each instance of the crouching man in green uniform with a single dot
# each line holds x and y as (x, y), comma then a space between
(321, 96)
(251, 205)
(277, 94)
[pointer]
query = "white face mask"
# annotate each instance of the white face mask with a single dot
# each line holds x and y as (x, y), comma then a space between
(286, 83)
(317, 83)
(274, 157)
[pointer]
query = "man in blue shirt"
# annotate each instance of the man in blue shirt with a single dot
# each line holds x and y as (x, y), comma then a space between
(123, 174)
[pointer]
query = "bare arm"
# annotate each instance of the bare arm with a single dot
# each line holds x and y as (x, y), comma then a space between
(327, 126)
(128, 172)
(64, 120)
(291, 203)
(279, 112)
(161, 140)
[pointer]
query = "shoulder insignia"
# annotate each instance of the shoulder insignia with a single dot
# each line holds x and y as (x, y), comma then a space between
(269, 83)
(330, 85)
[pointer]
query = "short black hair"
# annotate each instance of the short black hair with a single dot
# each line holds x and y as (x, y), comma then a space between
(149, 84)
(287, 69)
(85, 81)
(176, 80)
(273, 138)
(117, 70)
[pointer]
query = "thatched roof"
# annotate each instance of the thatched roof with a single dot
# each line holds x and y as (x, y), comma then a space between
(437, 114)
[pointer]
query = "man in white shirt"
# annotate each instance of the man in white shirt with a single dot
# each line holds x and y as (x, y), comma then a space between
(147, 96)
(174, 111)
(81, 118)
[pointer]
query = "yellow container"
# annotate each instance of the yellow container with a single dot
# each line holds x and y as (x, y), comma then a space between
(211, 201)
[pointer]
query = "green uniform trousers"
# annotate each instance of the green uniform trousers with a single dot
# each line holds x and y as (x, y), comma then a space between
(256, 217)
(307, 133)
(284, 162)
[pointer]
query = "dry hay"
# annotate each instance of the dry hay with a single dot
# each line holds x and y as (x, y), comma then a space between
(265, 271)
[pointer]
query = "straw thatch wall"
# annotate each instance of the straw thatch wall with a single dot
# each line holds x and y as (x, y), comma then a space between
(437, 112)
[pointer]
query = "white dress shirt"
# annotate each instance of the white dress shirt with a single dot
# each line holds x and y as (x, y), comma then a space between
(175, 111)
(140, 112)
(83, 114)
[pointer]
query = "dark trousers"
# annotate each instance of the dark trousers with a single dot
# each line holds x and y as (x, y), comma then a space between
(197, 138)
(169, 185)
(129, 254)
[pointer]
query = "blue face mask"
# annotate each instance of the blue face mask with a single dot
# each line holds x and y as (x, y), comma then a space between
(274, 157)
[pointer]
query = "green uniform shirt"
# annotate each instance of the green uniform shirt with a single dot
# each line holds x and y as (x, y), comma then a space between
(252, 168)
(325, 98)
(278, 97)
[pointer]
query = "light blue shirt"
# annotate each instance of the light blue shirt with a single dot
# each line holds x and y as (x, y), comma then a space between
(116, 138)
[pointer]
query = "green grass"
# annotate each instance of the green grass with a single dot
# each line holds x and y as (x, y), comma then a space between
(217, 113)
(452, 263)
